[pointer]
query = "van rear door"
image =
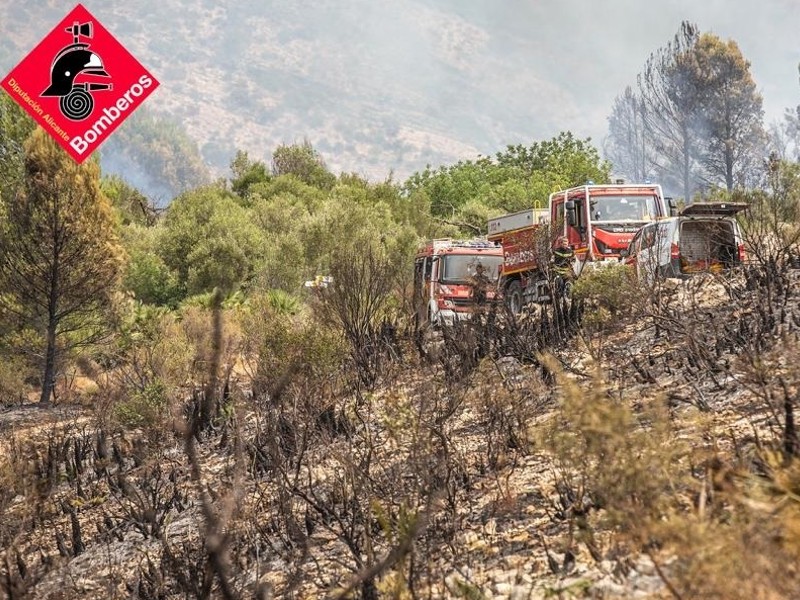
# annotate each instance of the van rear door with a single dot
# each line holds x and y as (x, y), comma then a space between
(713, 209)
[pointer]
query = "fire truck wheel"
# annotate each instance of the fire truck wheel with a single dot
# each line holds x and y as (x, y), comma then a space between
(514, 298)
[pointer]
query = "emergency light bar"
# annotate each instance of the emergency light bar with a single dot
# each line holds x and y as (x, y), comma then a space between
(445, 243)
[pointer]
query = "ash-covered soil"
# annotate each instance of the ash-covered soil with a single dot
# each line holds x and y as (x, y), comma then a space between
(438, 483)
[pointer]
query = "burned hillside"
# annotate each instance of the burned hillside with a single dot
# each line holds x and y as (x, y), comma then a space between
(645, 452)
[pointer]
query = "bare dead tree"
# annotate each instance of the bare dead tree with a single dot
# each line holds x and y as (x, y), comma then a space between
(356, 302)
(671, 104)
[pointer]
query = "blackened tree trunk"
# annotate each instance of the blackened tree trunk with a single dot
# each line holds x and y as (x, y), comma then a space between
(48, 381)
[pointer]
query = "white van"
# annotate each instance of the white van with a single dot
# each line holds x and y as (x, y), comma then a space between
(704, 237)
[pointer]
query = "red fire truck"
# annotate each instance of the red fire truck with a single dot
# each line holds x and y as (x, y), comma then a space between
(598, 220)
(444, 272)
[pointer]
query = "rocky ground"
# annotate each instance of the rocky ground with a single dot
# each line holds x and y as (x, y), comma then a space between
(442, 487)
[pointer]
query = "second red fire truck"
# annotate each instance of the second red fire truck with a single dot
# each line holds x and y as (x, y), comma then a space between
(444, 276)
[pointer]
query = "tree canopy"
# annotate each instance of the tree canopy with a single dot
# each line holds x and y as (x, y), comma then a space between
(60, 256)
(465, 194)
(695, 119)
(15, 127)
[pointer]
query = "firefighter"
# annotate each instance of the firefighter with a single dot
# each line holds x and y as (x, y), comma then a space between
(563, 256)
(483, 315)
(480, 285)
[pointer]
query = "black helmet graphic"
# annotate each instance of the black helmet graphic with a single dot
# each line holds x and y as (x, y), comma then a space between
(76, 102)
(69, 63)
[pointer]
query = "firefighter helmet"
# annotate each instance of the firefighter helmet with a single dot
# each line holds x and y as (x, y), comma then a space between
(68, 64)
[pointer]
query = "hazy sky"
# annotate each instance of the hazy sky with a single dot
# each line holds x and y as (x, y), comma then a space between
(628, 30)
(382, 85)
(585, 52)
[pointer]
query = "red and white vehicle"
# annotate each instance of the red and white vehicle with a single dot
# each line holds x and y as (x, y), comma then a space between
(704, 237)
(598, 220)
(444, 271)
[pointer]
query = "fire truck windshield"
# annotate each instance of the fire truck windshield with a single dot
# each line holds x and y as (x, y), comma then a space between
(461, 268)
(623, 208)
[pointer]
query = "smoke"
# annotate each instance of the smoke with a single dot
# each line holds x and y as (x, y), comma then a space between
(392, 86)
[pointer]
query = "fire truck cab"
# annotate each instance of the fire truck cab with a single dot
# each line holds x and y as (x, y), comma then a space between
(444, 277)
(600, 220)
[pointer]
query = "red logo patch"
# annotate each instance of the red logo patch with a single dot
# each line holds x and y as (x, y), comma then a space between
(79, 83)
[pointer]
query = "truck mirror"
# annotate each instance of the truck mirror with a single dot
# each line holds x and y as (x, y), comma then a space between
(569, 207)
(623, 253)
(673, 208)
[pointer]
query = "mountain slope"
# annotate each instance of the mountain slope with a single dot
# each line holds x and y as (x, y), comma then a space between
(373, 88)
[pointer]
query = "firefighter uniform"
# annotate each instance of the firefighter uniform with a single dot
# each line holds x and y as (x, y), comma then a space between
(562, 258)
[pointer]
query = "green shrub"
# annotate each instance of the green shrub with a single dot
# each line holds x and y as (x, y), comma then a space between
(13, 372)
(144, 409)
(610, 293)
(146, 273)
(278, 343)
(283, 303)
(203, 300)
(148, 366)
